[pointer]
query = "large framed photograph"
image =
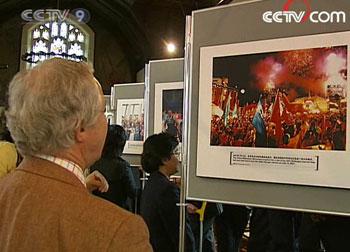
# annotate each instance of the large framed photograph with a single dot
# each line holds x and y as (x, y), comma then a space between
(276, 111)
(130, 115)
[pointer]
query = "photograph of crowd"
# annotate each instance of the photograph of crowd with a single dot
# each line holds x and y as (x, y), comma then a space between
(294, 99)
(130, 116)
(172, 112)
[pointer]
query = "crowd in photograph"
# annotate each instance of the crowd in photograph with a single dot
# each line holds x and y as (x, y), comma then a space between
(134, 126)
(295, 130)
(172, 123)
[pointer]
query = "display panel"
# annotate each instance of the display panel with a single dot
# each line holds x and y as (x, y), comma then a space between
(275, 111)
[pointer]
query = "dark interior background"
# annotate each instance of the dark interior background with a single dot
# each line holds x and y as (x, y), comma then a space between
(128, 33)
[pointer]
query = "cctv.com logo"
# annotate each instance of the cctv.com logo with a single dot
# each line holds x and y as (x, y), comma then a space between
(289, 16)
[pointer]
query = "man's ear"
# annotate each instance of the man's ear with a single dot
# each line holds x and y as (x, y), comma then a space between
(80, 135)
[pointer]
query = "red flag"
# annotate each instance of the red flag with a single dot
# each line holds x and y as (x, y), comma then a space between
(233, 100)
(285, 116)
(285, 101)
(216, 95)
(276, 116)
(224, 98)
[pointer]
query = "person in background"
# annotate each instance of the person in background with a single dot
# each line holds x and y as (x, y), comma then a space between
(329, 230)
(169, 124)
(272, 230)
(115, 169)
(160, 197)
(56, 118)
(8, 155)
(230, 226)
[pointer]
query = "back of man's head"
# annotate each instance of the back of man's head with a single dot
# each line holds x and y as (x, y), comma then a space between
(49, 102)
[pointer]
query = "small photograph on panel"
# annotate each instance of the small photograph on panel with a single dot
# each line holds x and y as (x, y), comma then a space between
(169, 109)
(172, 112)
(130, 115)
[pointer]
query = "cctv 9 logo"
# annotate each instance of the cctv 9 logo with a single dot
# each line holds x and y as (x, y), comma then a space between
(81, 15)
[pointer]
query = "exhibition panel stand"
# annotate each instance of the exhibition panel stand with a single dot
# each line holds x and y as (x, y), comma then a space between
(267, 99)
(127, 104)
(164, 85)
(161, 75)
(259, 79)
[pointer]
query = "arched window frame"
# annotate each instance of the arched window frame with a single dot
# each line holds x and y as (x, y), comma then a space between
(28, 40)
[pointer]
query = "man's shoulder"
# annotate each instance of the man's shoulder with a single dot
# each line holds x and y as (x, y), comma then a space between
(103, 217)
(127, 230)
(99, 222)
(100, 204)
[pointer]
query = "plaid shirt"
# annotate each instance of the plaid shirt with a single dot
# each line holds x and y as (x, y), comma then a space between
(66, 164)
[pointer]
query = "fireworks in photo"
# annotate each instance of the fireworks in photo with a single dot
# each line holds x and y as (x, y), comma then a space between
(289, 99)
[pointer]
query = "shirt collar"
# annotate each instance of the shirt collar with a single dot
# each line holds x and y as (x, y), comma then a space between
(66, 164)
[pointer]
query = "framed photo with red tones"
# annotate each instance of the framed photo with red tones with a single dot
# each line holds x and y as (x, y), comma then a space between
(276, 111)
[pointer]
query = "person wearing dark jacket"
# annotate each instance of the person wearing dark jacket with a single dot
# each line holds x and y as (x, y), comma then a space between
(115, 169)
(160, 197)
(230, 226)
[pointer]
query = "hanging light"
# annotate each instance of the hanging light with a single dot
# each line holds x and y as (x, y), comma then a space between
(171, 48)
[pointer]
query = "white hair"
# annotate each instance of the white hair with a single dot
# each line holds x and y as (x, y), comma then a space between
(48, 103)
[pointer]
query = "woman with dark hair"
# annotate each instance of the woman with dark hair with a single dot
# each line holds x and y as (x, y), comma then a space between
(160, 197)
(115, 169)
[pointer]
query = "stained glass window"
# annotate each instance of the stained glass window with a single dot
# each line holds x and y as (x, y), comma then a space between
(36, 34)
(63, 32)
(75, 49)
(64, 39)
(46, 35)
(71, 36)
(54, 29)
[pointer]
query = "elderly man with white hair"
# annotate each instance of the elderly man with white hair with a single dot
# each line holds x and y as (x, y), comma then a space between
(56, 117)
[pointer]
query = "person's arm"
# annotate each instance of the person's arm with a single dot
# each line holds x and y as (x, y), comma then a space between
(96, 181)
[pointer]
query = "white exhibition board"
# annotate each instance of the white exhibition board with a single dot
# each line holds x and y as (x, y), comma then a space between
(282, 164)
(307, 179)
